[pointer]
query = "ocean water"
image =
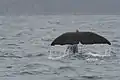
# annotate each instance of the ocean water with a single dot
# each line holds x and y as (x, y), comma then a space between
(25, 47)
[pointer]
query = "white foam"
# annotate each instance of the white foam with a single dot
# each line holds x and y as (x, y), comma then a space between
(59, 56)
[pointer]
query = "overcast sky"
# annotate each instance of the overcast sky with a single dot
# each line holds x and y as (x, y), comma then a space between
(59, 7)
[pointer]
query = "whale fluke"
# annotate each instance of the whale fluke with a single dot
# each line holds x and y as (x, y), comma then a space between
(82, 37)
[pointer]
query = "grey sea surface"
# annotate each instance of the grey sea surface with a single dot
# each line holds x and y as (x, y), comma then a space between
(25, 47)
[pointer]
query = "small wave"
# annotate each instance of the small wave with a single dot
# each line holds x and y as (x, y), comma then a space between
(37, 55)
(43, 72)
(66, 68)
(114, 41)
(12, 44)
(25, 72)
(9, 67)
(55, 22)
(36, 66)
(92, 77)
(36, 69)
(57, 58)
(40, 55)
(96, 55)
(3, 38)
(47, 39)
(11, 56)
(117, 37)
(116, 45)
(8, 54)
(30, 73)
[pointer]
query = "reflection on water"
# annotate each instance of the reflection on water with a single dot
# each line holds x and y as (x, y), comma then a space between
(25, 47)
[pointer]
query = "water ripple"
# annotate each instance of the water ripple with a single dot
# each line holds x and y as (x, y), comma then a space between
(66, 68)
(92, 77)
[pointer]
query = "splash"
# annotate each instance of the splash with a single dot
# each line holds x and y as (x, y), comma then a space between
(57, 54)
(60, 52)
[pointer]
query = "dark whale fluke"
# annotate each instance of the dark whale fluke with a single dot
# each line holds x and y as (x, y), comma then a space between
(76, 37)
